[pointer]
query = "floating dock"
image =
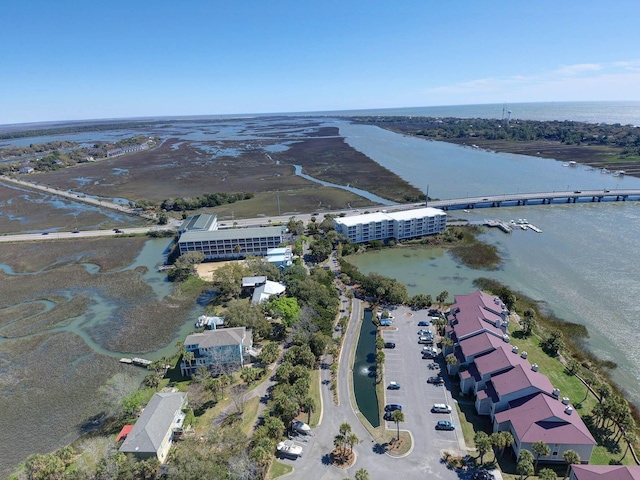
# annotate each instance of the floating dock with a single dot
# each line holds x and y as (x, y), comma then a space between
(498, 224)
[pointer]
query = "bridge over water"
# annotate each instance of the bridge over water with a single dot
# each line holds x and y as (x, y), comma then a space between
(537, 198)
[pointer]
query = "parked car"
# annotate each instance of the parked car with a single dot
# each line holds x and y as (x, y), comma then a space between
(445, 425)
(425, 340)
(422, 323)
(429, 354)
(392, 407)
(394, 386)
(436, 380)
(423, 331)
(441, 408)
(387, 416)
(389, 345)
(385, 322)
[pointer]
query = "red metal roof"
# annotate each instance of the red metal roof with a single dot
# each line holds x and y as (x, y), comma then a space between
(124, 432)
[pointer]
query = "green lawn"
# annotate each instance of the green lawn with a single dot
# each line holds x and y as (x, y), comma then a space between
(278, 469)
(249, 415)
(314, 393)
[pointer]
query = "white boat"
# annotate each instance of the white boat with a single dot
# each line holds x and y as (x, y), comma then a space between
(573, 164)
(301, 427)
(466, 211)
(289, 449)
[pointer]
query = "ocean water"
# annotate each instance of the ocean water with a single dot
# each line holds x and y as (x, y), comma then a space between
(582, 265)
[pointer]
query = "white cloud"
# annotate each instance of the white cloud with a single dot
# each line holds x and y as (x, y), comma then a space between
(578, 68)
(584, 81)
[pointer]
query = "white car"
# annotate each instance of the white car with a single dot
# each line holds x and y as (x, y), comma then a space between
(441, 408)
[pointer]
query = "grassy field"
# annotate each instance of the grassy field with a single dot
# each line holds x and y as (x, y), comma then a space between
(314, 393)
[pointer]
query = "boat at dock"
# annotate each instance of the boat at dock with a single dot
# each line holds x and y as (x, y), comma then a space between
(140, 362)
(534, 228)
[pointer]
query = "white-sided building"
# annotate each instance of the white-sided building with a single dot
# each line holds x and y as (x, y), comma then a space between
(200, 234)
(397, 225)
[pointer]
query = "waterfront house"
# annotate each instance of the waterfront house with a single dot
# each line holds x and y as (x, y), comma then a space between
(153, 433)
(542, 418)
(281, 257)
(220, 350)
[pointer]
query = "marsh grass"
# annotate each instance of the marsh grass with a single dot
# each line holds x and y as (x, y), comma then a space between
(48, 384)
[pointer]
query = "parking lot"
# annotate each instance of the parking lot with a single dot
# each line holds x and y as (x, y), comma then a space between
(404, 364)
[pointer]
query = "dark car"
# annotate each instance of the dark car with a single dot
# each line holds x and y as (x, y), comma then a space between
(75, 231)
(430, 355)
(392, 407)
(425, 332)
(45, 233)
(389, 345)
(387, 416)
(577, 191)
(436, 380)
(445, 425)
(482, 475)
(422, 323)
(393, 386)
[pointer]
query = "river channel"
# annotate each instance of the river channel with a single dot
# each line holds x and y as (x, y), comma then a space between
(582, 265)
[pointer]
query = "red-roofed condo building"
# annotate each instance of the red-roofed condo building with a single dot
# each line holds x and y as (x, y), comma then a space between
(517, 397)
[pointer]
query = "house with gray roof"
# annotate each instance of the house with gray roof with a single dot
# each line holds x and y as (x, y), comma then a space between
(220, 350)
(153, 433)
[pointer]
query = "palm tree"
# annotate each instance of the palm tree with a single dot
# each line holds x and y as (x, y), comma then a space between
(188, 357)
(541, 449)
(571, 457)
(339, 442)
(308, 405)
(483, 444)
(397, 416)
(345, 430)
(524, 467)
(351, 440)
(152, 381)
(547, 474)
(362, 474)
(237, 249)
(630, 438)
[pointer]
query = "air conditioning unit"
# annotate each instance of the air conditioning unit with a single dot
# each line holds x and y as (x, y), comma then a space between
(523, 354)
(556, 392)
(568, 410)
(534, 367)
(514, 349)
(565, 400)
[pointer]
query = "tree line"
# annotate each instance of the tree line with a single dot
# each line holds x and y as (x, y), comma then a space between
(625, 137)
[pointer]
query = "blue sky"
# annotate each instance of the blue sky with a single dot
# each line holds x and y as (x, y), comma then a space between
(62, 60)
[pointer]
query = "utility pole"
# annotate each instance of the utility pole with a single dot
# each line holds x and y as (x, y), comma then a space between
(426, 198)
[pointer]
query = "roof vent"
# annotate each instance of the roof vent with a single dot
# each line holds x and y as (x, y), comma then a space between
(568, 410)
(523, 354)
(496, 300)
(514, 349)
(534, 367)
(556, 392)
(506, 338)
(565, 400)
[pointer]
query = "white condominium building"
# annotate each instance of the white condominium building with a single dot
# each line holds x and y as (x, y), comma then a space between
(397, 225)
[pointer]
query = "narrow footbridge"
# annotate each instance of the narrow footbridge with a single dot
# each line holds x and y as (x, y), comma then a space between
(539, 198)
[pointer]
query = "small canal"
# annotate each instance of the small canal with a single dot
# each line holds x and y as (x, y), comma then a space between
(364, 371)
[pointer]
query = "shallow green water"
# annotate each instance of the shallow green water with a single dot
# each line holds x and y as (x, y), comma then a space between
(364, 371)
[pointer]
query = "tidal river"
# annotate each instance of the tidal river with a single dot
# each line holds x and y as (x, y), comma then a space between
(583, 265)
